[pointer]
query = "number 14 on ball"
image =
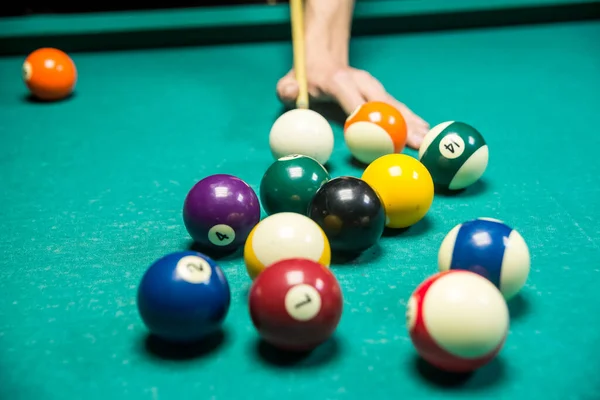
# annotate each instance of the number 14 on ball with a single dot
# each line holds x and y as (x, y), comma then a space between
(455, 154)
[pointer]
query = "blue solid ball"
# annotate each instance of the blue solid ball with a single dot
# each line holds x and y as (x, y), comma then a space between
(183, 297)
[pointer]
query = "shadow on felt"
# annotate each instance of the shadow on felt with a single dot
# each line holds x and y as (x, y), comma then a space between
(475, 189)
(319, 356)
(491, 374)
(215, 254)
(31, 99)
(331, 169)
(354, 163)
(357, 259)
(418, 229)
(331, 111)
(519, 306)
(165, 350)
(328, 109)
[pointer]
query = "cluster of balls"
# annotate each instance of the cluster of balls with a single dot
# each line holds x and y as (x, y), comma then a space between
(295, 301)
(457, 318)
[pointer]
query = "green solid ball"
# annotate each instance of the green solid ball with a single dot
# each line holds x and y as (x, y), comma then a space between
(455, 154)
(290, 184)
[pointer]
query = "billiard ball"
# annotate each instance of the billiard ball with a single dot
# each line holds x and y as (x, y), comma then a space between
(49, 74)
(290, 183)
(296, 304)
(373, 130)
(302, 131)
(183, 297)
(350, 213)
(219, 212)
(455, 154)
(285, 235)
(457, 320)
(490, 248)
(404, 186)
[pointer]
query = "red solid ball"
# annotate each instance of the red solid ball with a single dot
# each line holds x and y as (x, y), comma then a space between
(296, 304)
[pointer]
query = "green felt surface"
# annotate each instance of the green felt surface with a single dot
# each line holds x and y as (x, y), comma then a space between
(93, 189)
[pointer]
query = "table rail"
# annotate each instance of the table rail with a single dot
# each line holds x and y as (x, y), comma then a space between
(252, 23)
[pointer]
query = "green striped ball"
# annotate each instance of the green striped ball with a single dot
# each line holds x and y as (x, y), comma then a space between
(455, 154)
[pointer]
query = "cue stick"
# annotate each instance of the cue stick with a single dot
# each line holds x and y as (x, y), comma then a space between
(297, 20)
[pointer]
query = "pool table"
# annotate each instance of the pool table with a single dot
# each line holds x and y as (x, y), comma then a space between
(93, 189)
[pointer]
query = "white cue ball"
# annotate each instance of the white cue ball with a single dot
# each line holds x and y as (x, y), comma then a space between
(304, 132)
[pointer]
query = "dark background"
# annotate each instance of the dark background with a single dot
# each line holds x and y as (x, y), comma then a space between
(44, 7)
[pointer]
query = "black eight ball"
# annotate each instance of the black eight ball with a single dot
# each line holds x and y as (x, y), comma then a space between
(350, 212)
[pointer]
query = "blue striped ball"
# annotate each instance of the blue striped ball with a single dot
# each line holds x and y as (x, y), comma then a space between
(489, 248)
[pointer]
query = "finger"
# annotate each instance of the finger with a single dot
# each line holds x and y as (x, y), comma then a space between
(287, 88)
(408, 113)
(318, 96)
(414, 140)
(373, 90)
(417, 127)
(346, 92)
(369, 86)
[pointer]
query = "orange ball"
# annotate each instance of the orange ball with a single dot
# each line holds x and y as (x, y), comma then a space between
(373, 130)
(49, 74)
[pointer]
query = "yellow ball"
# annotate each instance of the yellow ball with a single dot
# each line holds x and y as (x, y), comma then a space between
(405, 187)
(282, 236)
